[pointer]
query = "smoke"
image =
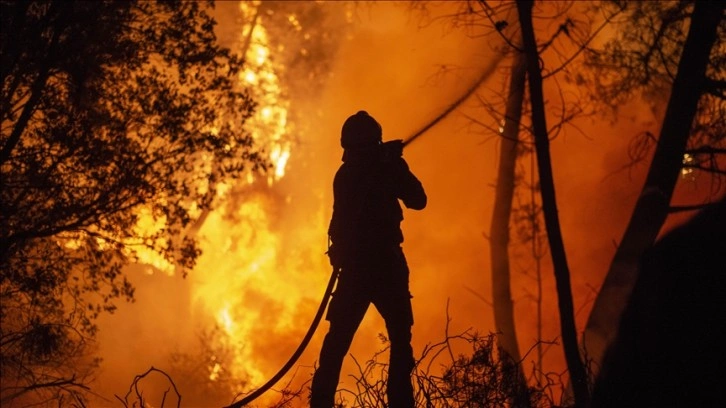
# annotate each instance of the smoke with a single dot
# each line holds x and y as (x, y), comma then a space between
(264, 269)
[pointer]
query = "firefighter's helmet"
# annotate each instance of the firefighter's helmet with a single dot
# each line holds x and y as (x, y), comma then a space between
(360, 130)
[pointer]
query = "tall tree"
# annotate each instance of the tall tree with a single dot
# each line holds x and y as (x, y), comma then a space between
(549, 207)
(573, 32)
(111, 115)
(499, 231)
(652, 53)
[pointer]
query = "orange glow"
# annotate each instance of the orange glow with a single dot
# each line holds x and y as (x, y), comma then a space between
(263, 267)
(241, 233)
(242, 284)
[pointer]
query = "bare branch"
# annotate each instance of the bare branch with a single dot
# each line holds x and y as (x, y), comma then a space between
(134, 388)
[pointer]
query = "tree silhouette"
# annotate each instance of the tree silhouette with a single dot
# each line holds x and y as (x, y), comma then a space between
(662, 45)
(676, 304)
(572, 32)
(111, 114)
(549, 207)
(501, 215)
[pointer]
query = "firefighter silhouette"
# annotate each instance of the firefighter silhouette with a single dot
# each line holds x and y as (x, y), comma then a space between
(366, 239)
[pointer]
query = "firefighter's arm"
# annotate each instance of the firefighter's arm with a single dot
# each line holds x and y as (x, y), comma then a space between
(410, 189)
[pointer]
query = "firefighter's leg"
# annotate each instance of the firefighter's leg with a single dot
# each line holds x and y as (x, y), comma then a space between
(345, 314)
(394, 304)
(400, 391)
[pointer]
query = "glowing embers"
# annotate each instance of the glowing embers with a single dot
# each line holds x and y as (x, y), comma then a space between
(686, 169)
(279, 156)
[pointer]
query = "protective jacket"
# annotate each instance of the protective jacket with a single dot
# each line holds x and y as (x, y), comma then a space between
(366, 211)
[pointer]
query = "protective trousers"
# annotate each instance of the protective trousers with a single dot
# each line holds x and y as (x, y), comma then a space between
(385, 284)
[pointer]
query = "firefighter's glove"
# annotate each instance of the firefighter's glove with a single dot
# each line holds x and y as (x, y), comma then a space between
(392, 149)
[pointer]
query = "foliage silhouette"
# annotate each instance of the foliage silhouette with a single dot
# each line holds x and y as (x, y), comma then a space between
(482, 377)
(664, 48)
(117, 119)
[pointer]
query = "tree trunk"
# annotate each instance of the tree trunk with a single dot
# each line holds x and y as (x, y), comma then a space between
(549, 207)
(651, 208)
(499, 233)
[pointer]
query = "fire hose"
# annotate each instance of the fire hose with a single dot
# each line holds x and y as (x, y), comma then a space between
(334, 276)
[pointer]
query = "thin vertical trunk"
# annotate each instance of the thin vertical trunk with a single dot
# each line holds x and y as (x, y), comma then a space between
(499, 232)
(651, 208)
(549, 207)
(537, 255)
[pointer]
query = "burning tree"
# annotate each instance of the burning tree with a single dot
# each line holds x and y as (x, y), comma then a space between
(112, 113)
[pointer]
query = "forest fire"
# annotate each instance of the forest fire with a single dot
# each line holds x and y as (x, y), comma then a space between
(241, 283)
(218, 172)
(248, 288)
